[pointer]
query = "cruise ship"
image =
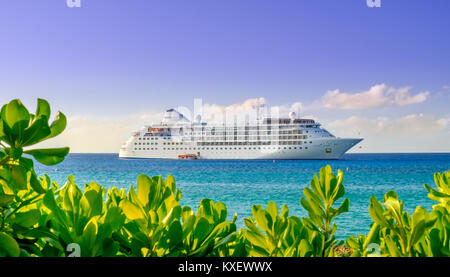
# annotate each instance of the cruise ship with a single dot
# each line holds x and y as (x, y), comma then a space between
(177, 137)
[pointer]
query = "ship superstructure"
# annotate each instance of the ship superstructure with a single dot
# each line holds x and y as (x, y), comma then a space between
(177, 137)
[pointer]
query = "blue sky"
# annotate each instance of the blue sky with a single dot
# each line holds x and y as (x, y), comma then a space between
(117, 63)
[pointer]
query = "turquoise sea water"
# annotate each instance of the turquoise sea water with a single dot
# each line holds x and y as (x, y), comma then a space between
(240, 184)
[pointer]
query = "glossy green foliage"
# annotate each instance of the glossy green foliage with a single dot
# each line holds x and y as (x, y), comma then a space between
(271, 233)
(437, 241)
(442, 194)
(21, 191)
(396, 232)
(157, 225)
(80, 217)
(319, 202)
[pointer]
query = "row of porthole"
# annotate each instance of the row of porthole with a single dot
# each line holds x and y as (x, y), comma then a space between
(148, 138)
(221, 148)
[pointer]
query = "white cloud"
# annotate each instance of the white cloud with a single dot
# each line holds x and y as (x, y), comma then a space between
(376, 96)
(216, 113)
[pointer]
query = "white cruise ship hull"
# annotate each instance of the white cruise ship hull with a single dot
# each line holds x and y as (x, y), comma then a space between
(326, 149)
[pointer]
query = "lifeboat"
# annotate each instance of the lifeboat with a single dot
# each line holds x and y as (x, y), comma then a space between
(188, 157)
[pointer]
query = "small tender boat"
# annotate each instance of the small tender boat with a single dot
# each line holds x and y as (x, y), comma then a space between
(188, 157)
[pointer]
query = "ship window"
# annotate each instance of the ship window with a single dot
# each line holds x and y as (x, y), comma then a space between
(306, 147)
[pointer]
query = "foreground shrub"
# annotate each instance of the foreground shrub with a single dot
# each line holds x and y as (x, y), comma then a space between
(21, 191)
(280, 235)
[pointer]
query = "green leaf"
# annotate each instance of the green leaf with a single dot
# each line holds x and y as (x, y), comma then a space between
(58, 125)
(2, 131)
(92, 200)
(19, 176)
(50, 203)
(144, 184)
(175, 234)
(201, 230)
(284, 211)
(8, 246)
(392, 247)
(6, 199)
(131, 210)
(170, 182)
(313, 205)
(421, 221)
(27, 219)
(36, 132)
(206, 210)
(173, 214)
(43, 109)
(343, 208)
(221, 211)
(376, 212)
(305, 249)
(49, 156)
(256, 239)
(16, 116)
(436, 195)
(36, 184)
(263, 218)
(90, 234)
(272, 209)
